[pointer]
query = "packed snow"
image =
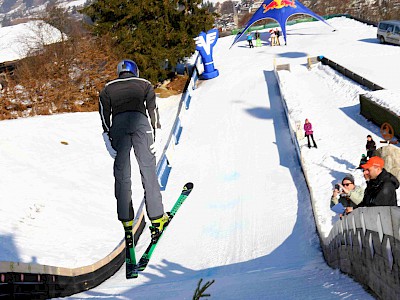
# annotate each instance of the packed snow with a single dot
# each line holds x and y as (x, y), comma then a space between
(389, 99)
(248, 223)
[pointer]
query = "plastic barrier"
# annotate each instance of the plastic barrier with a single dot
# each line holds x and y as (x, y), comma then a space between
(164, 166)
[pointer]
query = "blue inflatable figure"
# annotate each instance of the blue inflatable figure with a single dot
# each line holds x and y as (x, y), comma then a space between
(204, 44)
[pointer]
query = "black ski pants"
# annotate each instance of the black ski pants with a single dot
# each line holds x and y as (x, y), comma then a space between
(132, 129)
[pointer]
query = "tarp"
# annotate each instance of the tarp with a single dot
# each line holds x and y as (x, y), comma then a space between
(338, 208)
(280, 11)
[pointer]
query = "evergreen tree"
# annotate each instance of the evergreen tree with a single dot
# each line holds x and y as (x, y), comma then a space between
(151, 31)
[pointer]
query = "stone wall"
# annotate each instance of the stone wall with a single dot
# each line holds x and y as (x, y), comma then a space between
(391, 156)
(366, 245)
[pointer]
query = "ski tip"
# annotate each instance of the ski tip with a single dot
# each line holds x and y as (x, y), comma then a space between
(188, 186)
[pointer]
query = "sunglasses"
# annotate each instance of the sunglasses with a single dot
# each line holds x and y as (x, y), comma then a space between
(346, 184)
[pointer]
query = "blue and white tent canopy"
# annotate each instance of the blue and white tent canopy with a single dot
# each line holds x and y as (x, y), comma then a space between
(280, 11)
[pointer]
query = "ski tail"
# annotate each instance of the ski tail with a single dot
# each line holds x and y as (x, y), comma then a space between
(130, 257)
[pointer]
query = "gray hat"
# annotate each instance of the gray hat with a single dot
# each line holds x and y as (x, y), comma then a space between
(349, 177)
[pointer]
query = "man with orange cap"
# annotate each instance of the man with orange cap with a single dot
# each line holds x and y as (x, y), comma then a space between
(381, 185)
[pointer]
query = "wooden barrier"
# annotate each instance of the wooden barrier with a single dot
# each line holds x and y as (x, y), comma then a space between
(33, 281)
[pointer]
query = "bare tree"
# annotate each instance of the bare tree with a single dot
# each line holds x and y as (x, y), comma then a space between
(228, 7)
(58, 17)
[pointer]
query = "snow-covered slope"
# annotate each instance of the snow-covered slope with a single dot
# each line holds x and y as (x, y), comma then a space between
(248, 223)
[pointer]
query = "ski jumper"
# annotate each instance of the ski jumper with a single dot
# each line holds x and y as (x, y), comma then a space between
(126, 100)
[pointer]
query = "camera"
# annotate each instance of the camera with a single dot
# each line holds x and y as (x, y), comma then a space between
(337, 187)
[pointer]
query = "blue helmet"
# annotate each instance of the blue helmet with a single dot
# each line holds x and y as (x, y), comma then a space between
(128, 65)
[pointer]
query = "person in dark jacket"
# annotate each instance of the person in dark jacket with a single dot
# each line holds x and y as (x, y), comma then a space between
(278, 34)
(127, 100)
(381, 185)
(258, 39)
(370, 146)
(363, 160)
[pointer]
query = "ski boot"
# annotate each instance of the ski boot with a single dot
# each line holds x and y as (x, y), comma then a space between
(130, 259)
(158, 225)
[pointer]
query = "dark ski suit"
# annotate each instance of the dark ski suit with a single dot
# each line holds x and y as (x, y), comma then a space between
(381, 191)
(126, 99)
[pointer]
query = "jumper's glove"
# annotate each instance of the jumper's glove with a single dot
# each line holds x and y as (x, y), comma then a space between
(107, 141)
(157, 141)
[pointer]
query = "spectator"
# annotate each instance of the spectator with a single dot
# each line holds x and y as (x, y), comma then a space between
(363, 160)
(309, 133)
(273, 37)
(381, 185)
(348, 194)
(250, 40)
(277, 34)
(258, 39)
(370, 146)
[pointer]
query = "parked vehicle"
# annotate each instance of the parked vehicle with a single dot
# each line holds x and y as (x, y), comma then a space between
(389, 32)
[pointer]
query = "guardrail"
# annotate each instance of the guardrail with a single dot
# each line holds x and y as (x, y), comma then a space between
(33, 281)
(164, 166)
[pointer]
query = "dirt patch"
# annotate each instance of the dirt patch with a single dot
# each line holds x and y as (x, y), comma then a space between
(172, 87)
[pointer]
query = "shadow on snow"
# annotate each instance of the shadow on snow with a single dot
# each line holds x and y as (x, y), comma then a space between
(8, 249)
(294, 270)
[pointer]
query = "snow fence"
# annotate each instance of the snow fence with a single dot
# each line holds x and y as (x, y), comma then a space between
(33, 281)
(366, 243)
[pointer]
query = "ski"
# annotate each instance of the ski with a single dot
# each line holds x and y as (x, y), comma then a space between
(130, 258)
(144, 260)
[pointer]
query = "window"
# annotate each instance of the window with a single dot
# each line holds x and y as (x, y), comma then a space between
(383, 26)
(397, 30)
